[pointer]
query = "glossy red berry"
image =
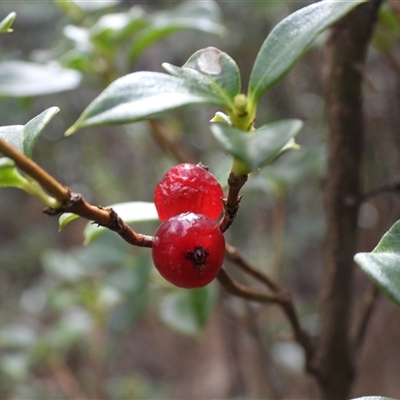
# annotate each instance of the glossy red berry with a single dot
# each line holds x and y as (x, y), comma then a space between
(188, 188)
(188, 250)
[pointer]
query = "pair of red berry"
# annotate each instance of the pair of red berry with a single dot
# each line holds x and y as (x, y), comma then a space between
(188, 247)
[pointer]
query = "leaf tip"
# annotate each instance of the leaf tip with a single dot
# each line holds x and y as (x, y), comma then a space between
(71, 130)
(65, 219)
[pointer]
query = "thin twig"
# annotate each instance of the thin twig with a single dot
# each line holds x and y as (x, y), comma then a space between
(234, 256)
(68, 382)
(170, 144)
(300, 336)
(282, 299)
(390, 187)
(74, 202)
(55, 188)
(369, 302)
(237, 289)
(232, 201)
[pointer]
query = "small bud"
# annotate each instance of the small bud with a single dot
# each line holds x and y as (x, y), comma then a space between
(240, 104)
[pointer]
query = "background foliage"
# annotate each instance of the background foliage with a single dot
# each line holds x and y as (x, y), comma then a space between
(97, 321)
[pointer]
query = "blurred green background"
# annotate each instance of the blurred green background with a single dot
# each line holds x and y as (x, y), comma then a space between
(97, 321)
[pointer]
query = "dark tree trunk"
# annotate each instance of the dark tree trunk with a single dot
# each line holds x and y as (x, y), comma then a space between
(346, 51)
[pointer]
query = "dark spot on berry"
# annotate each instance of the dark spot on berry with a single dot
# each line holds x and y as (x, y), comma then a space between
(198, 256)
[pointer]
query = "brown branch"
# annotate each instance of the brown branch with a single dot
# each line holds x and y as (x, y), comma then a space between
(74, 202)
(56, 189)
(68, 382)
(234, 256)
(347, 48)
(103, 216)
(170, 144)
(369, 303)
(237, 289)
(232, 201)
(282, 299)
(390, 187)
(302, 337)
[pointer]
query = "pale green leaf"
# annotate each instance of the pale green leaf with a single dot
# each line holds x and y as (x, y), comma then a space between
(95, 5)
(24, 79)
(63, 265)
(202, 16)
(9, 175)
(65, 219)
(17, 335)
(24, 137)
(290, 39)
(187, 311)
(382, 265)
(15, 366)
(6, 23)
(374, 398)
(141, 95)
(259, 147)
(113, 29)
(213, 70)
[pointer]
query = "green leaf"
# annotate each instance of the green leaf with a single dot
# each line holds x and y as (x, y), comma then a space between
(24, 79)
(133, 283)
(9, 175)
(141, 95)
(187, 311)
(125, 315)
(15, 366)
(135, 211)
(17, 336)
(113, 29)
(65, 219)
(94, 5)
(382, 264)
(66, 266)
(138, 20)
(259, 147)
(6, 23)
(290, 39)
(213, 70)
(202, 16)
(24, 137)
(374, 398)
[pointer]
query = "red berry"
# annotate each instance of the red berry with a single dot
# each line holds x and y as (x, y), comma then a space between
(188, 188)
(188, 250)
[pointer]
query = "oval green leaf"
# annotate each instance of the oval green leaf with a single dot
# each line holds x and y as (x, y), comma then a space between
(139, 96)
(24, 79)
(65, 219)
(6, 23)
(259, 147)
(94, 5)
(382, 264)
(9, 175)
(187, 311)
(290, 39)
(213, 70)
(24, 137)
(374, 398)
(111, 30)
(201, 16)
